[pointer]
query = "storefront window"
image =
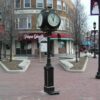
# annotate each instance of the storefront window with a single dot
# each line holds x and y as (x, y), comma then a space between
(17, 45)
(7, 46)
(23, 47)
(62, 47)
(61, 44)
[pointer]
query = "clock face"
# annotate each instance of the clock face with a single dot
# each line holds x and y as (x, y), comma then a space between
(39, 20)
(53, 20)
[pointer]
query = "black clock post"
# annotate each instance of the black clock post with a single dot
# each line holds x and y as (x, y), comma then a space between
(48, 23)
(49, 72)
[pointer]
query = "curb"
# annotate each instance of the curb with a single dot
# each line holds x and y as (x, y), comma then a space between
(24, 66)
(83, 69)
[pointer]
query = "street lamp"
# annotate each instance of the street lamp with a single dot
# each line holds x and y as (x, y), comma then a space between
(48, 21)
(98, 73)
(0, 49)
(94, 26)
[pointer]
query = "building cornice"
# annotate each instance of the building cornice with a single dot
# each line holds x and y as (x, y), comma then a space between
(27, 11)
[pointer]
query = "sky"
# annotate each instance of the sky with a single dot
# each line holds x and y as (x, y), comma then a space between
(90, 18)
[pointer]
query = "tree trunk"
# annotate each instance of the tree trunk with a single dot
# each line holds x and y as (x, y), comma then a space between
(4, 49)
(10, 47)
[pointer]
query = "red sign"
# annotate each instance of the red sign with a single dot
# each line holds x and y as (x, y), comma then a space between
(62, 35)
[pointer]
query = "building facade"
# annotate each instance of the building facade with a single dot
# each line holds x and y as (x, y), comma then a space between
(29, 36)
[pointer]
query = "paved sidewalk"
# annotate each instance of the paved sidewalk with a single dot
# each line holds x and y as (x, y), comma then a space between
(29, 85)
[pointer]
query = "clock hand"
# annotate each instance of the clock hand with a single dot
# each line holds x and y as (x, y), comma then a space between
(53, 18)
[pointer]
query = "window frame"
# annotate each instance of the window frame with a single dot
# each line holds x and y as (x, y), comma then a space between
(51, 3)
(59, 3)
(24, 4)
(28, 20)
(42, 2)
(15, 4)
(64, 6)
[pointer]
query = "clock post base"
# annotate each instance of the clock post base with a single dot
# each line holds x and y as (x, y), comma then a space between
(49, 81)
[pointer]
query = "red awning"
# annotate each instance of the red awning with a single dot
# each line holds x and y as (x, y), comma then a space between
(62, 35)
(34, 36)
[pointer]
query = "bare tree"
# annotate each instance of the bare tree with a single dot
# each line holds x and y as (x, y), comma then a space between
(1, 25)
(9, 22)
(79, 26)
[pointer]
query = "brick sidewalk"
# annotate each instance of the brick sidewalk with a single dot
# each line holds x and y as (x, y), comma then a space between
(29, 85)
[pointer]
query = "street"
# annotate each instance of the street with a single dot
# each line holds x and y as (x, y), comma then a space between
(71, 85)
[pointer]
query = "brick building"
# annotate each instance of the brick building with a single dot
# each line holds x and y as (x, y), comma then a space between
(28, 41)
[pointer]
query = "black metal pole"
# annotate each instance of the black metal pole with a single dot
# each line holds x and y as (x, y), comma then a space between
(0, 49)
(98, 73)
(94, 44)
(49, 73)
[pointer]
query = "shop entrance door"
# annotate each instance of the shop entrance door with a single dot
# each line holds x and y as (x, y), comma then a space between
(24, 48)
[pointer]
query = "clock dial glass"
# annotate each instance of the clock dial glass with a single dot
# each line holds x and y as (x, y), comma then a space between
(39, 20)
(53, 19)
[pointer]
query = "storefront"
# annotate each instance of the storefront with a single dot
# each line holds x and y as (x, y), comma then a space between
(23, 47)
(29, 44)
(63, 43)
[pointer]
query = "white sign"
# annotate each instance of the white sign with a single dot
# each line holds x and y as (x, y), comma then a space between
(41, 39)
(94, 7)
(34, 36)
(43, 47)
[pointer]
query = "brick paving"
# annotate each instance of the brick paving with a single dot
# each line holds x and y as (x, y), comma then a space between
(71, 85)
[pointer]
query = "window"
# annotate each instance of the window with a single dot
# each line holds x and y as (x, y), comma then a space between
(17, 4)
(8, 3)
(62, 44)
(67, 22)
(24, 23)
(50, 3)
(67, 9)
(64, 6)
(59, 4)
(63, 24)
(27, 3)
(39, 3)
(71, 26)
(7, 46)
